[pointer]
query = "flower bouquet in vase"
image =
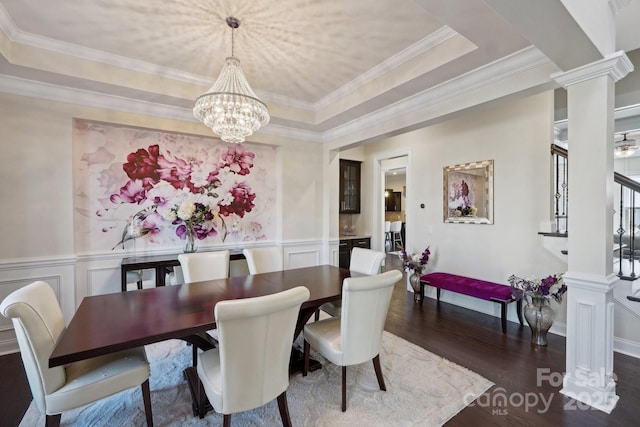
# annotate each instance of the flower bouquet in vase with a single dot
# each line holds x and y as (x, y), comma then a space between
(538, 292)
(414, 265)
(193, 220)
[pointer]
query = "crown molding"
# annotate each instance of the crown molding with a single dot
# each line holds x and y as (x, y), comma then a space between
(6, 23)
(627, 120)
(51, 92)
(56, 93)
(416, 49)
(292, 133)
(517, 62)
(16, 35)
(616, 65)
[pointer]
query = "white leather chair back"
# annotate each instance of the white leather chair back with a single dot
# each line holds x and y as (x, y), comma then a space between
(200, 266)
(38, 323)
(264, 260)
(395, 226)
(365, 301)
(366, 261)
(387, 226)
(255, 338)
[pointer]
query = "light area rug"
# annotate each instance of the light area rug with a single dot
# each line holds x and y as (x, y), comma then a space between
(423, 389)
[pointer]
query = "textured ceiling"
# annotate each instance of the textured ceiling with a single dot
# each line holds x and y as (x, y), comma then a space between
(317, 64)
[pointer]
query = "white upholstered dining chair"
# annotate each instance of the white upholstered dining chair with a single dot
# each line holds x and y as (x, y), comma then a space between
(250, 367)
(363, 261)
(38, 323)
(356, 336)
(200, 266)
(264, 260)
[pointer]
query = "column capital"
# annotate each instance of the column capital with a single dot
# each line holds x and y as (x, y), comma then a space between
(616, 65)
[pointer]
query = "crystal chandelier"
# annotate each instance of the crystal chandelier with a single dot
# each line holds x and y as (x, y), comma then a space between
(231, 108)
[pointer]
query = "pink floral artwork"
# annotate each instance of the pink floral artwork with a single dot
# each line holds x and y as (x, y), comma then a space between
(462, 188)
(124, 175)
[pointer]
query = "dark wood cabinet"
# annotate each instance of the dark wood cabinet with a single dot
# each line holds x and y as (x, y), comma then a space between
(344, 253)
(393, 201)
(349, 187)
(345, 246)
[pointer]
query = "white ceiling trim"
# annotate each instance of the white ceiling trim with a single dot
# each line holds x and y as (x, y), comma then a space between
(627, 120)
(6, 23)
(616, 65)
(16, 35)
(517, 62)
(56, 93)
(292, 133)
(416, 49)
(41, 90)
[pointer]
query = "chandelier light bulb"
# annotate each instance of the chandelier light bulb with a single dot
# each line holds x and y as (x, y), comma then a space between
(230, 107)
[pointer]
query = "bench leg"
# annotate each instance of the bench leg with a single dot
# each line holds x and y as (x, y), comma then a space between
(503, 316)
(519, 308)
(421, 292)
(438, 294)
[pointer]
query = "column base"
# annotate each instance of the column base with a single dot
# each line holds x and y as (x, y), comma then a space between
(582, 391)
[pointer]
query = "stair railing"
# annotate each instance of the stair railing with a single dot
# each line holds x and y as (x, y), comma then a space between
(628, 215)
(561, 189)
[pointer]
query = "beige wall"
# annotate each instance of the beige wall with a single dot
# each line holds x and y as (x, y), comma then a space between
(516, 135)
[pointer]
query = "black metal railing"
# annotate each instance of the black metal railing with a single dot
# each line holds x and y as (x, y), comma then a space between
(627, 230)
(561, 189)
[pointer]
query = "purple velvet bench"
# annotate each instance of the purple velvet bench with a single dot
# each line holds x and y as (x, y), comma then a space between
(474, 288)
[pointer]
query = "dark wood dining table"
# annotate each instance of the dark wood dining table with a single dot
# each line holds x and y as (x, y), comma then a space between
(109, 323)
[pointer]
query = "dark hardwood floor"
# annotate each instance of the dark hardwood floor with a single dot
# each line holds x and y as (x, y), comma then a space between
(469, 339)
(475, 341)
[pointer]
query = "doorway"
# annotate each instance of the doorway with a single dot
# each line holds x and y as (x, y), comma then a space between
(395, 202)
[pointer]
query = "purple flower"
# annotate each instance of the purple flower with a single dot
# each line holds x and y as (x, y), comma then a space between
(414, 262)
(550, 287)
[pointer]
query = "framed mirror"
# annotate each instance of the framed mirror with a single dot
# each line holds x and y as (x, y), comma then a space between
(468, 193)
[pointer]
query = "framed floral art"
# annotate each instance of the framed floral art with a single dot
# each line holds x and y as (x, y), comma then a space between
(468, 193)
(171, 186)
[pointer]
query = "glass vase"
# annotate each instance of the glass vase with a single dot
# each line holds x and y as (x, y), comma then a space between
(190, 245)
(539, 316)
(414, 280)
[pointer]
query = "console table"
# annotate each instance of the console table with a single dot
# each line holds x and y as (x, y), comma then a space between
(160, 263)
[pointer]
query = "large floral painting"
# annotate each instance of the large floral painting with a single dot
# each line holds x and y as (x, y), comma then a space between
(158, 187)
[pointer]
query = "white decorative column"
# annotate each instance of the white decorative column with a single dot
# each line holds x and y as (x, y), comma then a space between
(590, 279)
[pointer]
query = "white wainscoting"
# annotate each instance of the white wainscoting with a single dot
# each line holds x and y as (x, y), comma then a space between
(58, 273)
(73, 278)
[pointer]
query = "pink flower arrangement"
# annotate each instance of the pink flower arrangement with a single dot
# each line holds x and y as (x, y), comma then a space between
(169, 186)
